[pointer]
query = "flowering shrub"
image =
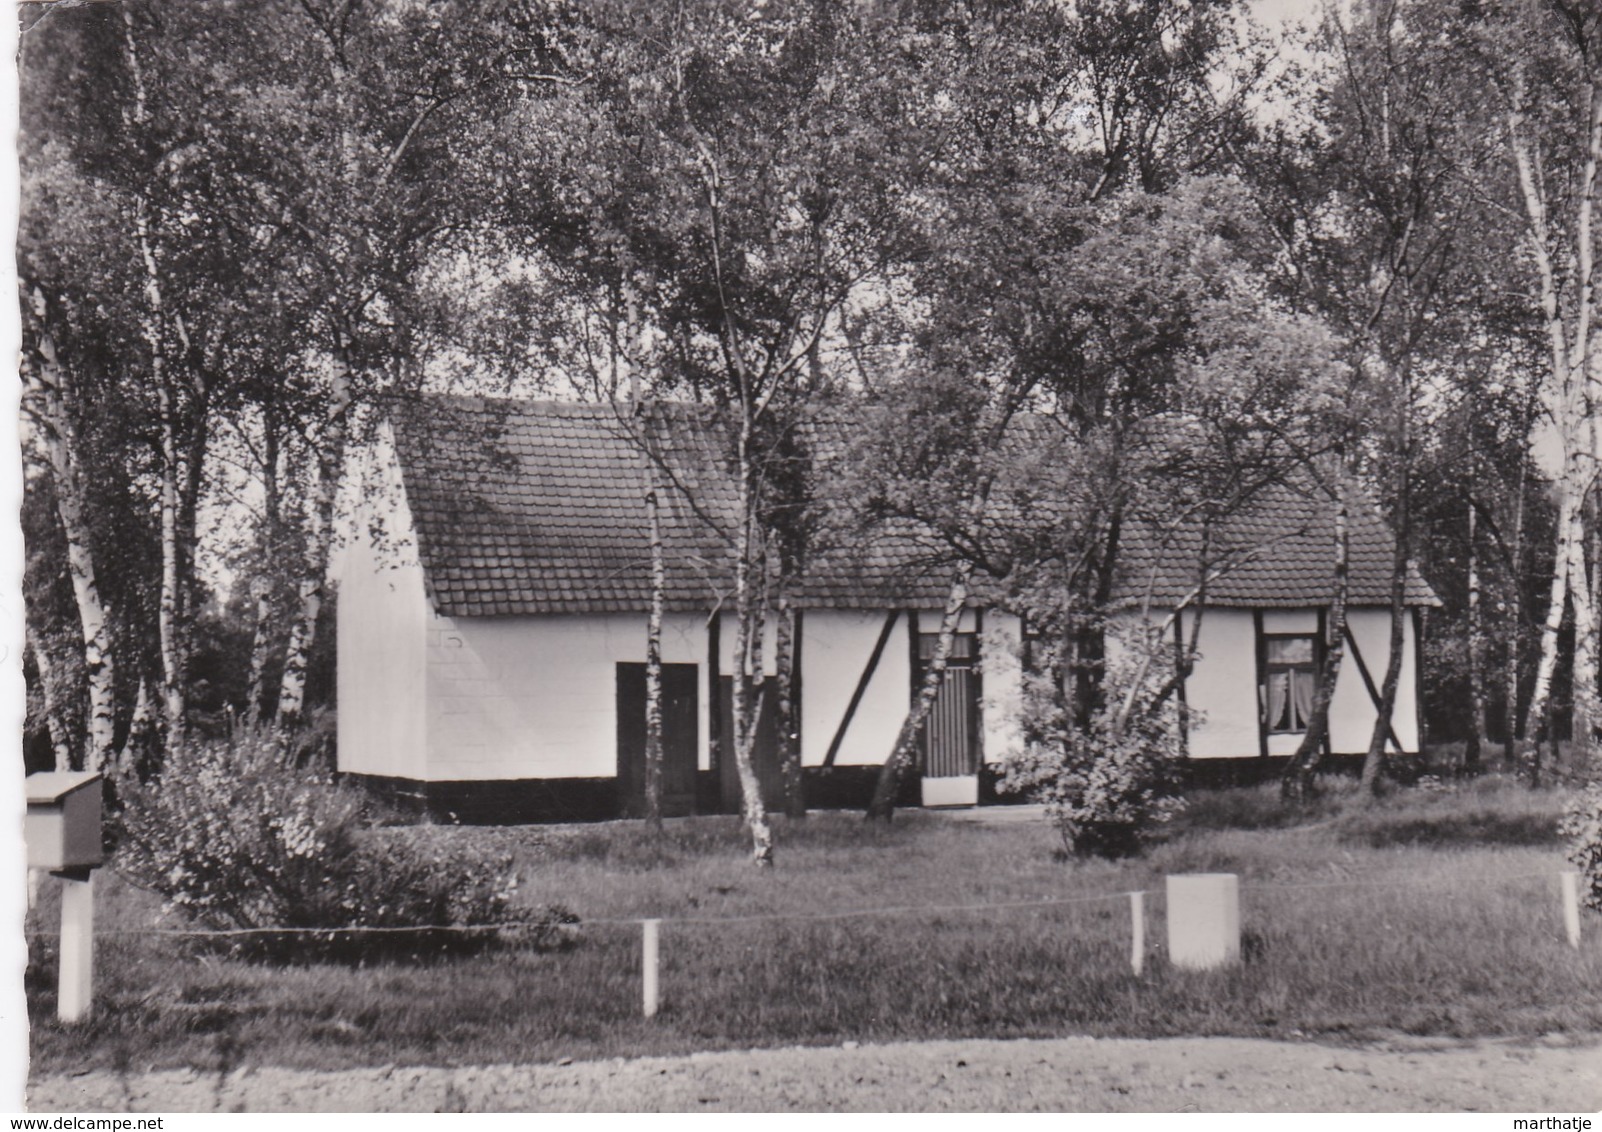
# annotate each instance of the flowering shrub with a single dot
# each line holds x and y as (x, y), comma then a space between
(236, 838)
(1109, 786)
(1582, 825)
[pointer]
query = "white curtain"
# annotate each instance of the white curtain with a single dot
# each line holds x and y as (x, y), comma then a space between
(1302, 691)
(1277, 687)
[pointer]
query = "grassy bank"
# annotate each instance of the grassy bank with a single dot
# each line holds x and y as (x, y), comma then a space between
(1433, 913)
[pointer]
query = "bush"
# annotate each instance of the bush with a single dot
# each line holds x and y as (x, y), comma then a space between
(1582, 825)
(1107, 787)
(234, 837)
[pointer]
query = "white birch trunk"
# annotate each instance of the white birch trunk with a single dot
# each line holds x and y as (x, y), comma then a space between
(262, 585)
(1569, 361)
(168, 609)
(784, 687)
(1476, 649)
(169, 612)
(1514, 599)
(261, 589)
(142, 727)
(1541, 695)
(884, 792)
(55, 724)
(1296, 784)
(60, 439)
(653, 667)
(319, 539)
(1374, 758)
(881, 806)
(1585, 627)
(746, 612)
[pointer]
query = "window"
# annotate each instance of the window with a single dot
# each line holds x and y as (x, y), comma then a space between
(964, 647)
(1290, 675)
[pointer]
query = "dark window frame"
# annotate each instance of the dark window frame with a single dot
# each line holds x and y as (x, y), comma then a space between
(1314, 668)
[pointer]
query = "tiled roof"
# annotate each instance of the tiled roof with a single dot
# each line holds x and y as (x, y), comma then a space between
(538, 507)
(1276, 551)
(528, 507)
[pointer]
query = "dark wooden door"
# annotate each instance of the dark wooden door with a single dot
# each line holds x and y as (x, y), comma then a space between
(951, 733)
(764, 753)
(680, 738)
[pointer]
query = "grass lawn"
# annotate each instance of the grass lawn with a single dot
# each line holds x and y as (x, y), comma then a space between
(1435, 912)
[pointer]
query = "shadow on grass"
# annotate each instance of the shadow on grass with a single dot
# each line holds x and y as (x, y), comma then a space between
(632, 845)
(1477, 829)
(1255, 808)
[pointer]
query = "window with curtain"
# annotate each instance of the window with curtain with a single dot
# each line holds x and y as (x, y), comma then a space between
(1290, 674)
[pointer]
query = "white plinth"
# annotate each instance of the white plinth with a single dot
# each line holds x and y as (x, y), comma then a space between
(955, 791)
(76, 981)
(1203, 920)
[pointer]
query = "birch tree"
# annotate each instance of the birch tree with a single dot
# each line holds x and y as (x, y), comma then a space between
(739, 171)
(362, 180)
(128, 163)
(1373, 205)
(1061, 118)
(1542, 58)
(49, 406)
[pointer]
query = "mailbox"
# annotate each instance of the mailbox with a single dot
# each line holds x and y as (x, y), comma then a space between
(62, 827)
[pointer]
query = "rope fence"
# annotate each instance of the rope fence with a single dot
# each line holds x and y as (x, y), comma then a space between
(1203, 912)
(1568, 880)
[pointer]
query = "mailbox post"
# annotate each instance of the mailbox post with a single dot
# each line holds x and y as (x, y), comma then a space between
(62, 830)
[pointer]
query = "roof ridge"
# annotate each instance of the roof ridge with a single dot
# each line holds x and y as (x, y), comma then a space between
(551, 406)
(526, 505)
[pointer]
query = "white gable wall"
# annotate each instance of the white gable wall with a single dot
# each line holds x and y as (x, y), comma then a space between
(835, 647)
(383, 615)
(536, 696)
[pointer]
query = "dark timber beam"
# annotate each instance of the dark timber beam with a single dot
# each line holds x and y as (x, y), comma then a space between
(862, 687)
(1368, 682)
(714, 695)
(1261, 649)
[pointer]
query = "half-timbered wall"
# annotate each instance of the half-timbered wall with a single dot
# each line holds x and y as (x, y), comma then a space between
(1223, 685)
(835, 649)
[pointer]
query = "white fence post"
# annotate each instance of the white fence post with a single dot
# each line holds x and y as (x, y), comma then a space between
(1137, 934)
(649, 967)
(1204, 920)
(1570, 883)
(76, 976)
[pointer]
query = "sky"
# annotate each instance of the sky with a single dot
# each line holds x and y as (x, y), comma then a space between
(1274, 12)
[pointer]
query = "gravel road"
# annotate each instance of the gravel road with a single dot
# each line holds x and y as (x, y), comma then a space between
(1550, 1076)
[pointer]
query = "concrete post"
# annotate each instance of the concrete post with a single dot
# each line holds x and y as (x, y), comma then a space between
(649, 967)
(1204, 920)
(1137, 935)
(1570, 883)
(76, 975)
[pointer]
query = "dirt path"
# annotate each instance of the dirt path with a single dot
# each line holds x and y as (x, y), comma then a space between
(1064, 1074)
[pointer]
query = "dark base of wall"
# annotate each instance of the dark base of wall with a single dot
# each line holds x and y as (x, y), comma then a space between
(991, 795)
(1219, 774)
(520, 801)
(851, 787)
(500, 802)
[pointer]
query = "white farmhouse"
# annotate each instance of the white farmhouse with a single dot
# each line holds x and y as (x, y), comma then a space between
(492, 629)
